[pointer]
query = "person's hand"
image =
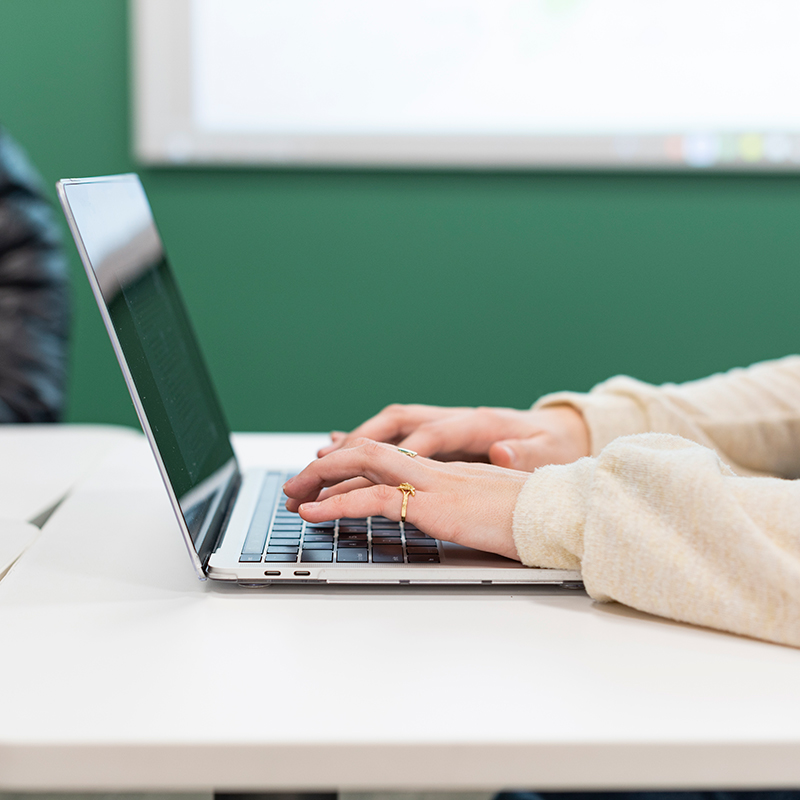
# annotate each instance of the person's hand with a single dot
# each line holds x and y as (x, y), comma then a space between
(471, 504)
(506, 437)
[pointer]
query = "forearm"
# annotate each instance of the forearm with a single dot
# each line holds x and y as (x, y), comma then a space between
(660, 524)
(751, 417)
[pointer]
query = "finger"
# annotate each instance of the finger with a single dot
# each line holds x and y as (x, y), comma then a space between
(394, 423)
(391, 424)
(379, 463)
(463, 435)
(522, 454)
(397, 421)
(344, 486)
(337, 437)
(439, 438)
(379, 500)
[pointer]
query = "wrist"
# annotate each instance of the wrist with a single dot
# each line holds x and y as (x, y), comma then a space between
(550, 515)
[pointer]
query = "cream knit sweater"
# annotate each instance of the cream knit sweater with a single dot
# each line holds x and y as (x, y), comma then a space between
(689, 507)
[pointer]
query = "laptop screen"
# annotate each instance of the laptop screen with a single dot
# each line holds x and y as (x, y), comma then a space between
(113, 220)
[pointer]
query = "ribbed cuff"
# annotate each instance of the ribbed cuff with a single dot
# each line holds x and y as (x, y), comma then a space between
(550, 515)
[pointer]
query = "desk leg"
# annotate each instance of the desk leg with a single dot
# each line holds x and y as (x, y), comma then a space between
(275, 796)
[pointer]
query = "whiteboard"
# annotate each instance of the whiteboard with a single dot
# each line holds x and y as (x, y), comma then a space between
(707, 84)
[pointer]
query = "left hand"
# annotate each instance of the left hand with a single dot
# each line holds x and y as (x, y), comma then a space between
(467, 503)
(507, 437)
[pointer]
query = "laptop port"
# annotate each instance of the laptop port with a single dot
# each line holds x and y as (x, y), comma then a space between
(273, 572)
(301, 572)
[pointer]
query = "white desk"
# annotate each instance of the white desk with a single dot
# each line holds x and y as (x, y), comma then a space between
(39, 464)
(122, 671)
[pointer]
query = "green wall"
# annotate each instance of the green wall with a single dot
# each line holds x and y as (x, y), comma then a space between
(320, 296)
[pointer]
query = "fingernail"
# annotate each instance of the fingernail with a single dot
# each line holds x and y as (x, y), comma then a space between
(512, 456)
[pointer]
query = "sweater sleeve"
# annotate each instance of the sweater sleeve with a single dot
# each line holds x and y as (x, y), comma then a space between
(661, 524)
(750, 417)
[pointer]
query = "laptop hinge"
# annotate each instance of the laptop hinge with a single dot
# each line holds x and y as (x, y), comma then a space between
(219, 524)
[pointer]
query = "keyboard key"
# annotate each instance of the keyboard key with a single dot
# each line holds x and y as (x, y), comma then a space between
(320, 525)
(414, 559)
(317, 546)
(420, 542)
(347, 543)
(287, 526)
(250, 557)
(353, 521)
(354, 554)
(317, 555)
(292, 557)
(279, 548)
(284, 539)
(318, 537)
(418, 551)
(385, 539)
(352, 537)
(382, 554)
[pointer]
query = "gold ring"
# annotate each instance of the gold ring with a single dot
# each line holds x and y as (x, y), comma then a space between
(407, 489)
(409, 453)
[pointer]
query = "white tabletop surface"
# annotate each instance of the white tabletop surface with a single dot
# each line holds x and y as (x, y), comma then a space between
(39, 464)
(122, 671)
(15, 538)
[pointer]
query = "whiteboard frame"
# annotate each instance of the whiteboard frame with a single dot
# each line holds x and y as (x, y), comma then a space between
(163, 133)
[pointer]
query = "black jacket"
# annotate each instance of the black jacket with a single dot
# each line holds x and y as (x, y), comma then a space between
(34, 297)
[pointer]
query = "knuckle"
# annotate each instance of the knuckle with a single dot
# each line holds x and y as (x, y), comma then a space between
(385, 493)
(337, 501)
(371, 447)
(432, 431)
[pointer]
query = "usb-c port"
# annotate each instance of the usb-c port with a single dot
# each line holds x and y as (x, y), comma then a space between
(301, 572)
(273, 572)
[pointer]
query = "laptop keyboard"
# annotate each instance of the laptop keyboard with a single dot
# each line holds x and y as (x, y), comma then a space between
(364, 540)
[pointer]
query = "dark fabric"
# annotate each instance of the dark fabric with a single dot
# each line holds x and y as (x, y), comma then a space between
(749, 795)
(34, 297)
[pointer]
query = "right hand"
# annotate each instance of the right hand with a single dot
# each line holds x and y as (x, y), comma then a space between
(506, 437)
(470, 504)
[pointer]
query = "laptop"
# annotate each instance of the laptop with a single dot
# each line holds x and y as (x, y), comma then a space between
(234, 523)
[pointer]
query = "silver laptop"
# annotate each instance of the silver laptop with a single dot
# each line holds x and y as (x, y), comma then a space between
(235, 524)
